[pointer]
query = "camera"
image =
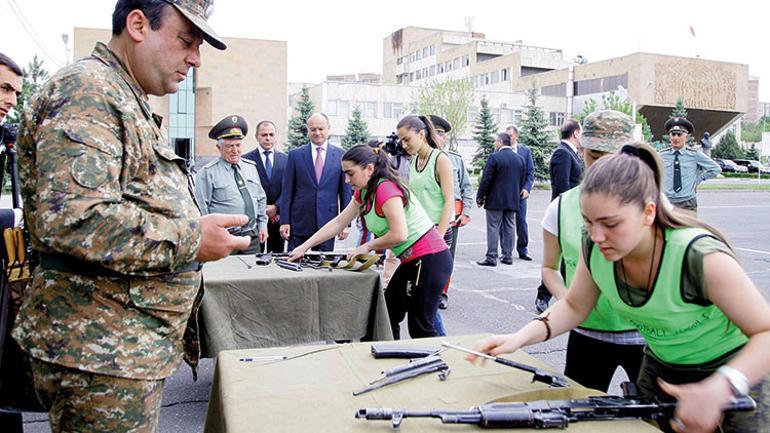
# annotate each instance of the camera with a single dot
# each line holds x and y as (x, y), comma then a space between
(393, 145)
(8, 133)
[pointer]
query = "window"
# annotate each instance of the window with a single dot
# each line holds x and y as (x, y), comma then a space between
(518, 116)
(485, 79)
(494, 77)
(343, 108)
(466, 60)
(432, 70)
(506, 116)
(432, 50)
(418, 74)
(181, 113)
(418, 54)
(457, 63)
(555, 90)
(555, 118)
(472, 112)
(448, 65)
(392, 110)
(370, 109)
(425, 52)
(504, 74)
(440, 68)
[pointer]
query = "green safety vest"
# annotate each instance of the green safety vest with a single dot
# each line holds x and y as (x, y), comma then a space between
(426, 187)
(602, 317)
(677, 332)
(417, 222)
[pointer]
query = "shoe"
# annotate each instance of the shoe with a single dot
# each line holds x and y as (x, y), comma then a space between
(486, 262)
(525, 257)
(541, 304)
(443, 302)
(506, 261)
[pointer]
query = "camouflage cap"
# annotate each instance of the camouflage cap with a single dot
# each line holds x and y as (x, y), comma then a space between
(198, 12)
(607, 131)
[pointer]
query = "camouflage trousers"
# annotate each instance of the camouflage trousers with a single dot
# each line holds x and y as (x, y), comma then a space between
(736, 422)
(690, 205)
(84, 402)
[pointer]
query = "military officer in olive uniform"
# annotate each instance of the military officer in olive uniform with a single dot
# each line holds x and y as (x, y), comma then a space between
(112, 217)
(230, 184)
(684, 168)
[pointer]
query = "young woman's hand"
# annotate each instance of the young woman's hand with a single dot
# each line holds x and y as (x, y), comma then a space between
(699, 405)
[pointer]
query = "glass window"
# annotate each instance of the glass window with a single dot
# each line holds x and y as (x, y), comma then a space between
(440, 68)
(432, 70)
(425, 52)
(518, 116)
(457, 63)
(418, 54)
(432, 50)
(466, 60)
(398, 109)
(370, 109)
(472, 112)
(555, 118)
(494, 77)
(448, 65)
(504, 74)
(343, 108)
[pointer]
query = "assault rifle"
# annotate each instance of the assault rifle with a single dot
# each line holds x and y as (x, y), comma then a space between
(543, 414)
(400, 373)
(321, 260)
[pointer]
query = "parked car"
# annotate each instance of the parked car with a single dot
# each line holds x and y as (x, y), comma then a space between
(729, 166)
(753, 166)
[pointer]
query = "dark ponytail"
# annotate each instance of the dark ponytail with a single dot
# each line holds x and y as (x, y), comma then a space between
(421, 123)
(635, 176)
(373, 153)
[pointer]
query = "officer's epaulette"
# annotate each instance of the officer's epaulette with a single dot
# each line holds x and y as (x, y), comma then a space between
(666, 149)
(693, 148)
(212, 163)
(248, 161)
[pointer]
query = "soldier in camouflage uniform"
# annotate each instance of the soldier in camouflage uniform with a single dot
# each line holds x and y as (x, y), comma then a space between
(118, 232)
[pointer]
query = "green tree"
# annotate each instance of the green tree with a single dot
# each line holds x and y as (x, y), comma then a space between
(357, 131)
(728, 148)
(534, 133)
(588, 108)
(679, 109)
(484, 134)
(34, 77)
(751, 132)
(753, 152)
(298, 123)
(449, 99)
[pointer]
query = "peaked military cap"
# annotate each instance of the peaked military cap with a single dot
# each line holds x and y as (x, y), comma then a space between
(440, 123)
(198, 12)
(230, 127)
(607, 131)
(680, 124)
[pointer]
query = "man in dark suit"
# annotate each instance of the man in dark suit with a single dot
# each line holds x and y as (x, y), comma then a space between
(500, 192)
(522, 230)
(566, 171)
(314, 189)
(270, 166)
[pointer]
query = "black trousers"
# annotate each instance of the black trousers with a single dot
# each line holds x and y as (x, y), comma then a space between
(592, 362)
(295, 241)
(275, 243)
(415, 288)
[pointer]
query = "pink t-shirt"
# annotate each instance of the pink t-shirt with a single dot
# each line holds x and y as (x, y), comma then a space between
(430, 243)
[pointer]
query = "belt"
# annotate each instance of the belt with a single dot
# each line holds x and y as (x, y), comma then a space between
(72, 265)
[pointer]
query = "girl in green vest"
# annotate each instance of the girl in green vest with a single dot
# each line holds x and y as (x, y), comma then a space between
(397, 220)
(676, 279)
(603, 341)
(430, 177)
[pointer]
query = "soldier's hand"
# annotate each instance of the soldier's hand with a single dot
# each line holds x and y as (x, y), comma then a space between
(263, 237)
(216, 241)
(285, 231)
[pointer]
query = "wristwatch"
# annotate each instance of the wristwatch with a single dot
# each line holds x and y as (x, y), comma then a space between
(737, 380)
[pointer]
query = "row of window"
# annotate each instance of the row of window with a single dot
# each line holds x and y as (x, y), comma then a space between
(417, 55)
(369, 109)
(491, 77)
(432, 70)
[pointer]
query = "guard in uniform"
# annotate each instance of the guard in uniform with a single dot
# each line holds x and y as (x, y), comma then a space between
(462, 188)
(684, 167)
(230, 184)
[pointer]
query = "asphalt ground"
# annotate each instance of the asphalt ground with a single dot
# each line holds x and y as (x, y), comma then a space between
(501, 299)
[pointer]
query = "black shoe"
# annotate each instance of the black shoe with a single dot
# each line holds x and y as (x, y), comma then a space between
(443, 302)
(506, 261)
(486, 262)
(525, 257)
(541, 304)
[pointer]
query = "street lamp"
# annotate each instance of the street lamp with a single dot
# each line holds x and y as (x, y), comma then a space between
(66, 38)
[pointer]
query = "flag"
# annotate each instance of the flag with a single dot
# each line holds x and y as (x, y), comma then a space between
(692, 31)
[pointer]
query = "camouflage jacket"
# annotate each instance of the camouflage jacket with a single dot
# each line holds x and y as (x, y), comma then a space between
(103, 189)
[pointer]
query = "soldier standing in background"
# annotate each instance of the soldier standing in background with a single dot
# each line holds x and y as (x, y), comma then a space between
(119, 235)
(684, 168)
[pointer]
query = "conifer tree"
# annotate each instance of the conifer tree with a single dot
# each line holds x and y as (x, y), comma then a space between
(484, 131)
(357, 131)
(534, 133)
(298, 135)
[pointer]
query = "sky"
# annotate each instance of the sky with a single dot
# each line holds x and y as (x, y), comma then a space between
(338, 37)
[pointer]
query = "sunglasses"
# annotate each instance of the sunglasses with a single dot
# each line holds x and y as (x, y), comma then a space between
(676, 133)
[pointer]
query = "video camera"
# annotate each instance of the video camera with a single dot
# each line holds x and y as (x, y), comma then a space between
(393, 145)
(8, 133)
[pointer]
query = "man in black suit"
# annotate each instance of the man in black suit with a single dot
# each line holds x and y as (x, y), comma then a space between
(566, 171)
(270, 164)
(500, 192)
(522, 230)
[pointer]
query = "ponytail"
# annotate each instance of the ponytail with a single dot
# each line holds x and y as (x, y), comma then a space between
(421, 123)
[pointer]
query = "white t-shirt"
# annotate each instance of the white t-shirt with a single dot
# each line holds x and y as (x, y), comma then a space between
(550, 221)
